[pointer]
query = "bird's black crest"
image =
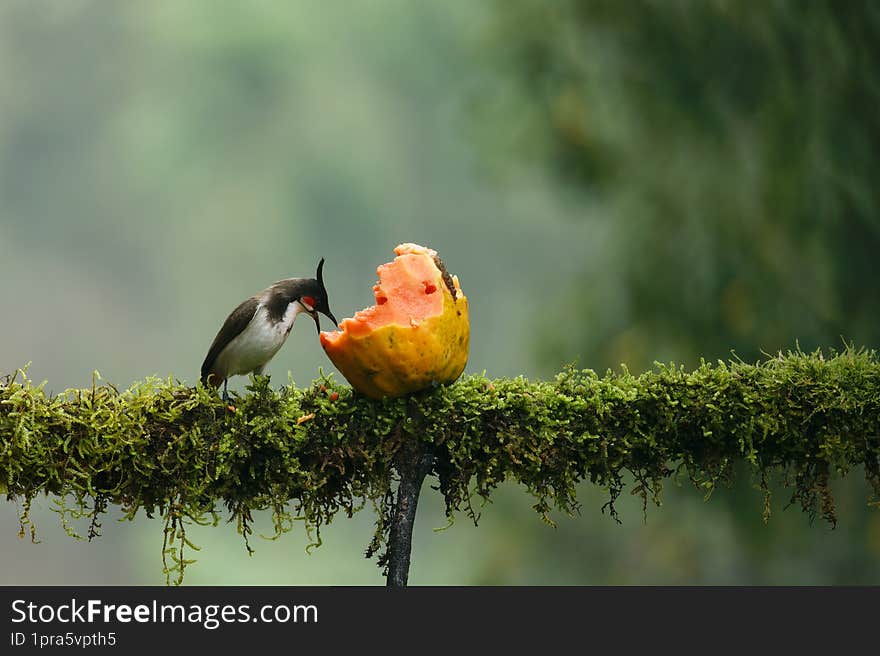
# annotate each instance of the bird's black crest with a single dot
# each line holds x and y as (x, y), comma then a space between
(320, 276)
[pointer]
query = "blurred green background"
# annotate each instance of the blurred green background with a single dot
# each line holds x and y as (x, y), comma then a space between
(614, 183)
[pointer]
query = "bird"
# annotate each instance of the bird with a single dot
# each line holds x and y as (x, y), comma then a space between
(255, 330)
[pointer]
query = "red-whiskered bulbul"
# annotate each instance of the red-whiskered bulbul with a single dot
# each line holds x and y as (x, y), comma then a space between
(255, 330)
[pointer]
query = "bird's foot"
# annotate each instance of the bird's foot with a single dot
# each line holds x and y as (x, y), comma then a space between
(229, 406)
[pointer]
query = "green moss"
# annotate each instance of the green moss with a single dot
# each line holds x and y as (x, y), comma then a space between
(162, 448)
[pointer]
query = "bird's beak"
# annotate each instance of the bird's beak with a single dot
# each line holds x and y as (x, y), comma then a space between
(318, 322)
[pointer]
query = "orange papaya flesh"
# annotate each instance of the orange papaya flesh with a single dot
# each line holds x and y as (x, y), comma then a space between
(417, 335)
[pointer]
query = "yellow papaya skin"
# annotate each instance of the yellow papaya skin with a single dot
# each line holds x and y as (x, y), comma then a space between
(395, 360)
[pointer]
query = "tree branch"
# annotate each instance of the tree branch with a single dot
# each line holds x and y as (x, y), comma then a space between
(413, 463)
(307, 454)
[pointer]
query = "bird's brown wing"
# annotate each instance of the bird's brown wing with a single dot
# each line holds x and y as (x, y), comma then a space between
(237, 321)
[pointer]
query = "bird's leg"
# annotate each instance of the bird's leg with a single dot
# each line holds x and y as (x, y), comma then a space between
(225, 391)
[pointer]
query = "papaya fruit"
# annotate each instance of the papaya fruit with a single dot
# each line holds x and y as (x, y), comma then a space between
(416, 335)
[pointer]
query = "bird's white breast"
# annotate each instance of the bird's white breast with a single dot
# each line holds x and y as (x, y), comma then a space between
(253, 347)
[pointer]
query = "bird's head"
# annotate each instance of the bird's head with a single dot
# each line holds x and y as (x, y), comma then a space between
(312, 295)
(309, 293)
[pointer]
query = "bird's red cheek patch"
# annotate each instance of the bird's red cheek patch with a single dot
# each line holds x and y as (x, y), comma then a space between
(309, 302)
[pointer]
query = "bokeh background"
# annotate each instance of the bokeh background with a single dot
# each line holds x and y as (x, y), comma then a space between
(614, 184)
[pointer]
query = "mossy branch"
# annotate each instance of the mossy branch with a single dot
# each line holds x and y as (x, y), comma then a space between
(161, 447)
